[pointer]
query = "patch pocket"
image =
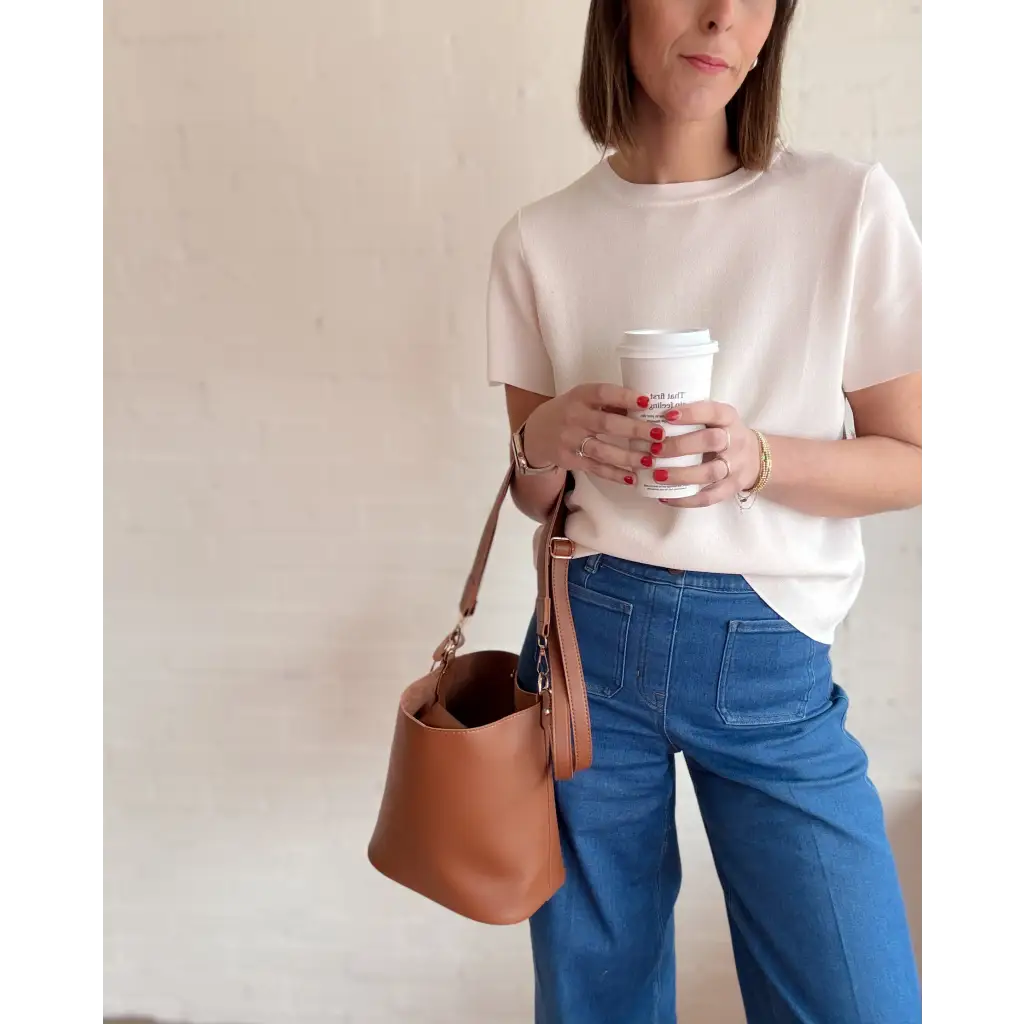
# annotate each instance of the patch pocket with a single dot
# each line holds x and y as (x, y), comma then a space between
(602, 629)
(771, 674)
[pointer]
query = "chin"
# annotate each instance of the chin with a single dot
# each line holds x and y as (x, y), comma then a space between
(696, 107)
(687, 100)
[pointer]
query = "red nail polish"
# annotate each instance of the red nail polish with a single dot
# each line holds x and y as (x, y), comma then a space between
(657, 433)
(661, 475)
(646, 460)
(672, 414)
(643, 401)
(628, 480)
(656, 448)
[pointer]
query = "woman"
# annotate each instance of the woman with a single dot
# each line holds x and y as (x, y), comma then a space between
(705, 623)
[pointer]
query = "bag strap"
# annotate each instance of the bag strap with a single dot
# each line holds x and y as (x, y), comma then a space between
(571, 748)
(565, 710)
(472, 588)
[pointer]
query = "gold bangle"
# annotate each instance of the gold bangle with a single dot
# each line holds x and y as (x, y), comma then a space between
(747, 498)
(766, 464)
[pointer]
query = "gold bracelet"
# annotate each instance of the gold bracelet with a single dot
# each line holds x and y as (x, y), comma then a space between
(766, 464)
(747, 498)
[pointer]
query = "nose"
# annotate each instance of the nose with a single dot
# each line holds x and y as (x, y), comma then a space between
(718, 16)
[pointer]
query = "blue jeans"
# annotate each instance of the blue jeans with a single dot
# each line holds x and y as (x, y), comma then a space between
(698, 664)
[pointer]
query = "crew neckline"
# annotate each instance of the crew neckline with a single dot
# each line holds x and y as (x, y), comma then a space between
(676, 191)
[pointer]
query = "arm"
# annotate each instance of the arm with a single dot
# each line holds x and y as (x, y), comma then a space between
(556, 428)
(880, 469)
(534, 495)
(877, 471)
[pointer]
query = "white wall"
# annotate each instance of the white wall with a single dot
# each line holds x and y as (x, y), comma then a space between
(301, 200)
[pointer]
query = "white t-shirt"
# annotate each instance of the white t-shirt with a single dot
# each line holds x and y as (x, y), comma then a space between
(809, 277)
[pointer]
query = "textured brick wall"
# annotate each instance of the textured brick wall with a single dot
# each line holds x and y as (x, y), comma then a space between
(300, 204)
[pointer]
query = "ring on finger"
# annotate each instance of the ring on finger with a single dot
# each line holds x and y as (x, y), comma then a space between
(725, 462)
(582, 450)
(728, 441)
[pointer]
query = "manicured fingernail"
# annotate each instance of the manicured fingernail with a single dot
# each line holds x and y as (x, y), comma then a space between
(656, 448)
(628, 480)
(661, 475)
(643, 401)
(664, 501)
(657, 433)
(646, 460)
(672, 414)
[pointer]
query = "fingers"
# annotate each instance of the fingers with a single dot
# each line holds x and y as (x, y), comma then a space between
(702, 499)
(598, 421)
(612, 455)
(615, 474)
(598, 450)
(598, 396)
(705, 413)
(711, 472)
(604, 411)
(710, 439)
(608, 462)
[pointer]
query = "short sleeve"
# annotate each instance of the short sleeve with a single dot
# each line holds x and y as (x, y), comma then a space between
(515, 348)
(884, 334)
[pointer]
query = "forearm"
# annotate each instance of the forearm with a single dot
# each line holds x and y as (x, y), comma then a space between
(535, 496)
(844, 479)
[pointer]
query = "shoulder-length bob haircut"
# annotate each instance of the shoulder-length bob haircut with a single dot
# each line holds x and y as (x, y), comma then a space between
(607, 84)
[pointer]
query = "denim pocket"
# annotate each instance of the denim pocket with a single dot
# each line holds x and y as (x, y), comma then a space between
(772, 674)
(602, 627)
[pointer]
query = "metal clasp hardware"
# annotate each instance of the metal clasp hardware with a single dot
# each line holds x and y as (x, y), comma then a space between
(545, 705)
(543, 667)
(554, 550)
(452, 642)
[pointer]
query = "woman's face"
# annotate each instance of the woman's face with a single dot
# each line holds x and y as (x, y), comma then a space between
(669, 38)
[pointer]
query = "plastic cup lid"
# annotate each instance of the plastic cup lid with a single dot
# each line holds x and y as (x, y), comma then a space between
(661, 344)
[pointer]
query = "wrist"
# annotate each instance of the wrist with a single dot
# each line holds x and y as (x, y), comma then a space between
(535, 452)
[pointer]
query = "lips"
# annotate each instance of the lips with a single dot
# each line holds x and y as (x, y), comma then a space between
(705, 62)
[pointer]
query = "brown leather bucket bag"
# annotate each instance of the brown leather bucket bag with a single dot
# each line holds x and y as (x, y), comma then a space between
(468, 813)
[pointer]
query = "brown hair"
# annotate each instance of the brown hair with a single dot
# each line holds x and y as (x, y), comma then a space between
(607, 83)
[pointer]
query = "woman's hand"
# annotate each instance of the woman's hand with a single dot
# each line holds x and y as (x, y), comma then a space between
(732, 454)
(556, 430)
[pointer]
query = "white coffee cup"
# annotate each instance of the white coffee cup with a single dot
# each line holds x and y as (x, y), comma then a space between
(671, 368)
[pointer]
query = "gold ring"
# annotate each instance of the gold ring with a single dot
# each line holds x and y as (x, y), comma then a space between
(725, 462)
(728, 439)
(581, 451)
